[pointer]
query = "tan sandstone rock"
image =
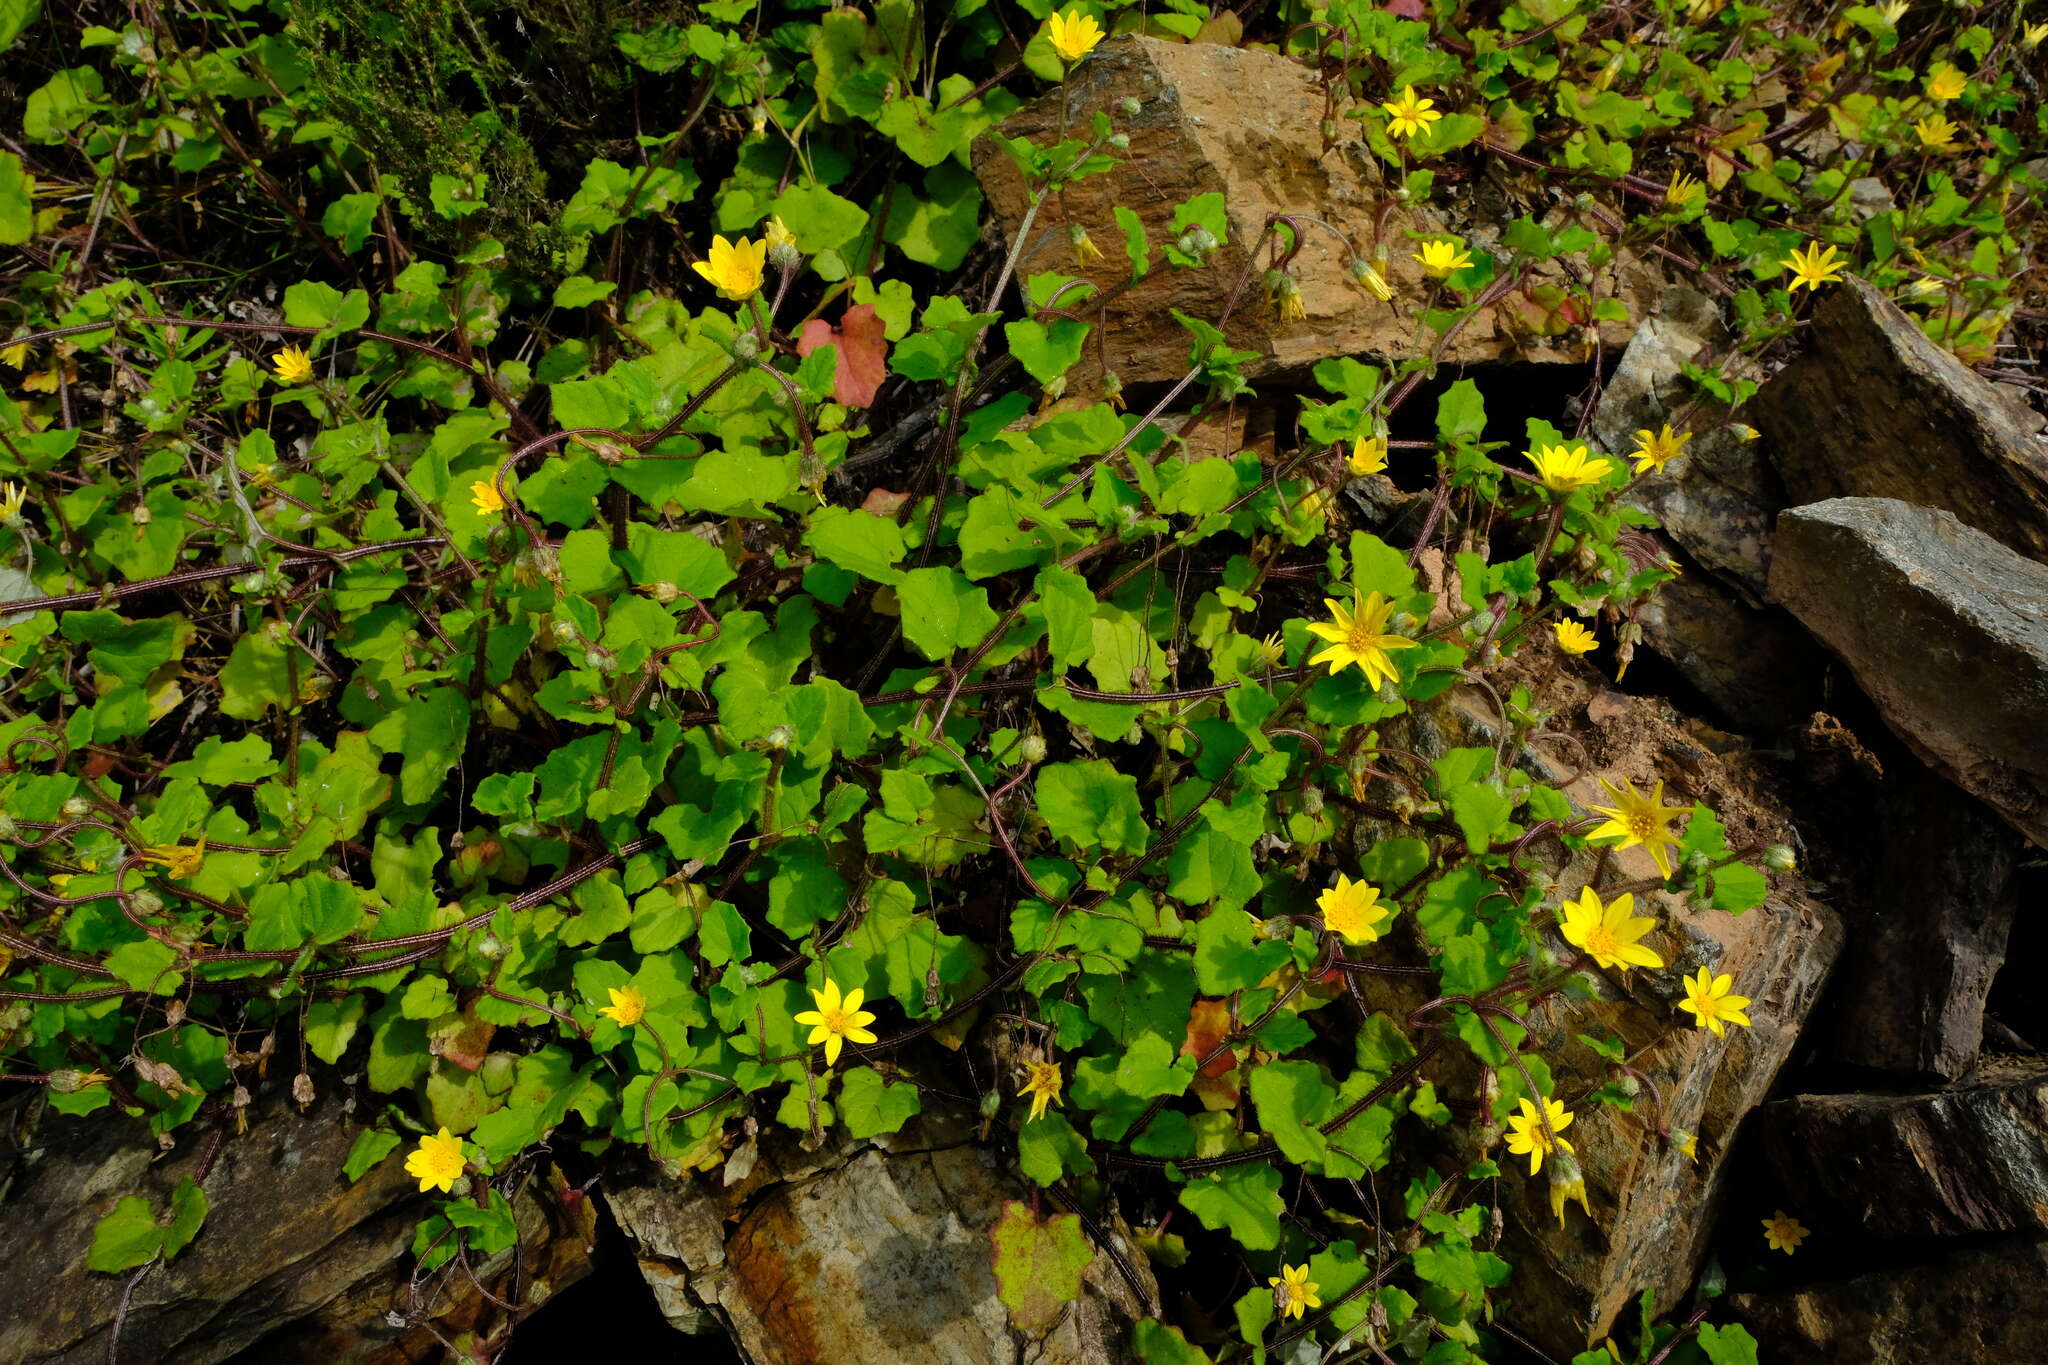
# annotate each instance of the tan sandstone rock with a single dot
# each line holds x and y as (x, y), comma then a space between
(1248, 124)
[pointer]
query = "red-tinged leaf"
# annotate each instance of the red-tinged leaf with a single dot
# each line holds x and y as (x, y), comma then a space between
(1038, 1264)
(863, 356)
(883, 502)
(1208, 1025)
(1404, 9)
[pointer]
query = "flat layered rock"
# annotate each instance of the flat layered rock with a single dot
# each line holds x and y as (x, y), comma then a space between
(294, 1262)
(1248, 124)
(1945, 1163)
(1981, 1306)
(1945, 629)
(862, 1252)
(1875, 409)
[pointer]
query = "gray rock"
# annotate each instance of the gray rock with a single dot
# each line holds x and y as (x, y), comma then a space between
(1875, 409)
(1755, 665)
(1981, 1306)
(1927, 933)
(294, 1262)
(860, 1252)
(1944, 628)
(1946, 1163)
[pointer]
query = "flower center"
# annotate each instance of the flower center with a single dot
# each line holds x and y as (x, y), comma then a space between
(1642, 825)
(1601, 942)
(1362, 639)
(1709, 1007)
(835, 1020)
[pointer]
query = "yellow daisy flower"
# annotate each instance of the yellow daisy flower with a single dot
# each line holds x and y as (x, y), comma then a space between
(437, 1163)
(292, 365)
(628, 1006)
(1073, 34)
(1682, 190)
(1937, 134)
(489, 502)
(1712, 1002)
(1567, 468)
(836, 1021)
(1638, 819)
(1944, 83)
(1409, 114)
(1443, 256)
(1368, 455)
(734, 268)
(1574, 638)
(1043, 1086)
(1784, 1232)
(1527, 1138)
(1609, 935)
(1359, 637)
(1655, 449)
(1353, 910)
(1817, 266)
(1294, 1293)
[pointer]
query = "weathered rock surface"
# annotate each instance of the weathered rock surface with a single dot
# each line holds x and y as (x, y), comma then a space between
(860, 1252)
(1654, 1209)
(1876, 409)
(1944, 628)
(1927, 934)
(1249, 124)
(1971, 1159)
(1979, 1306)
(1755, 665)
(295, 1263)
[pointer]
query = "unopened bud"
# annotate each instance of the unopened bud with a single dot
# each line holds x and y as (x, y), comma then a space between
(77, 808)
(599, 660)
(564, 633)
(70, 1082)
(1312, 801)
(145, 903)
(6, 825)
(490, 947)
(746, 347)
(1629, 1085)
(663, 592)
(1778, 858)
(1128, 106)
(781, 737)
(140, 516)
(1697, 863)
(1031, 748)
(785, 256)
(1120, 142)
(461, 1188)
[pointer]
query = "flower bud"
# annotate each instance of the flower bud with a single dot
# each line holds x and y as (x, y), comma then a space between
(77, 808)
(1031, 748)
(68, 1081)
(1312, 801)
(1128, 106)
(781, 737)
(564, 632)
(1120, 142)
(746, 347)
(600, 660)
(663, 592)
(140, 516)
(1778, 858)
(6, 825)
(785, 255)
(1697, 863)
(145, 903)
(1629, 1085)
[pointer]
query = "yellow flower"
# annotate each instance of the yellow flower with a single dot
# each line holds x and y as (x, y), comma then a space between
(15, 356)
(775, 234)
(1712, 1004)
(1083, 246)
(1574, 638)
(1688, 1145)
(2030, 37)
(1442, 256)
(1744, 432)
(1817, 266)
(1566, 468)
(180, 860)
(1368, 455)
(1353, 910)
(1682, 190)
(293, 365)
(1073, 34)
(1409, 115)
(1608, 935)
(1527, 1137)
(13, 497)
(437, 1162)
(735, 267)
(1893, 11)
(628, 1006)
(489, 501)
(1638, 819)
(1937, 134)
(1293, 1291)
(1287, 297)
(1567, 1182)
(1360, 638)
(1655, 449)
(1368, 274)
(1784, 1232)
(1944, 83)
(836, 1021)
(1043, 1086)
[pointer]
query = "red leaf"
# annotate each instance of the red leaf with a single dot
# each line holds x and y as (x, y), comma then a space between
(863, 352)
(1404, 9)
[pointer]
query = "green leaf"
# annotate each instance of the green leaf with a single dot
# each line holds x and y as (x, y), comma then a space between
(1048, 1149)
(869, 1105)
(1227, 956)
(188, 1212)
(1730, 1345)
(1039, 1264)
(146, 966)
(942, 611)
(126, 1238)
(1092, 804)
(858, 542)
(1155, 1343)
(1242, 1200)
(369, 1149)
(1292, 1098)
